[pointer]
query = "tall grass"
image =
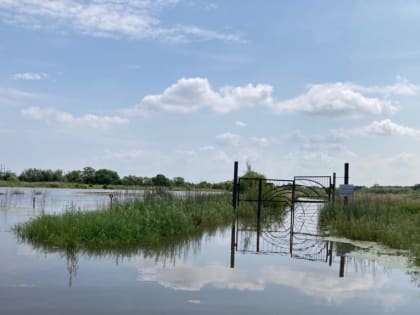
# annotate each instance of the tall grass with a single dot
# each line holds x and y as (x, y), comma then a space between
(158, 217)
(390, 220)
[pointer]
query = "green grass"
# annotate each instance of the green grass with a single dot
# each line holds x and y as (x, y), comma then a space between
(161, 217)
(390, 220)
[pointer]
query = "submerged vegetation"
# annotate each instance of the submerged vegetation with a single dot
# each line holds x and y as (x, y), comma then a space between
(388, 219)
(157, 217)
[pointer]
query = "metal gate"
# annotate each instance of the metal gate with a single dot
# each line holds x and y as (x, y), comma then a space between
(297, 235)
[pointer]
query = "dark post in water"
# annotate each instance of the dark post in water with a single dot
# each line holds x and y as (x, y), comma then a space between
(346, 180)
(333, 187)
(235, 185)
(259, 213)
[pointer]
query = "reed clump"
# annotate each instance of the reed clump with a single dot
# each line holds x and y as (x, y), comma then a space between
(157, 217)
(386, 219)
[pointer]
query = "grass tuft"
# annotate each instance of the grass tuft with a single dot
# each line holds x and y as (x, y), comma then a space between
(392, 221)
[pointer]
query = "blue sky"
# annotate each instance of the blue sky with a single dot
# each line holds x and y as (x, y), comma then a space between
(185, 87)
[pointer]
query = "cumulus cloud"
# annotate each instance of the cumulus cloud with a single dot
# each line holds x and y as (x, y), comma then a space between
(339, 99)
(192, 94)
(30, 76)
(104, 18)
(401, 87)
(386, 128)
(88, 120)
(240, 124)
(228, 138)
(189, 95)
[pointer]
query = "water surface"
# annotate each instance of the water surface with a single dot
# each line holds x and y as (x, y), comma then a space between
(298, 274)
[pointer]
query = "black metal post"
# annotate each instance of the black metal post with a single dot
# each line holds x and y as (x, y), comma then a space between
(342, 264)
(111, 198)
(333, 187)
(330, 253)
(346, 180)
(235, 185)
(33, 202)
(232, 245)
(292, 207)
(259, 213)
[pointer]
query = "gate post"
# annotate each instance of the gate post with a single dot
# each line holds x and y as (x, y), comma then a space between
(235, 185)
(292, 208)
(346, 181)
(259, 213)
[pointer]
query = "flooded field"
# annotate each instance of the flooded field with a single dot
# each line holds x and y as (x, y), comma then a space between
(232, 270)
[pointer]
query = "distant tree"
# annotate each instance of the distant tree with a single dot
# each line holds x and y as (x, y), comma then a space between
(106, 177)
(223, 185)
(88, 175)
(40, 175)
(204, 185)
(179, 181)
(8, 175)
(74, 176)
(132, 180)
(161, 180)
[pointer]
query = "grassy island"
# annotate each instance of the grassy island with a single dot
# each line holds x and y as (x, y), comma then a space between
(159, 216)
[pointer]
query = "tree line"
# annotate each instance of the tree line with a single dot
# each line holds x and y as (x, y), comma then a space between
(88, 175)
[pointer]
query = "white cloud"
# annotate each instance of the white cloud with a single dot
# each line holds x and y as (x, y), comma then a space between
(14, 97)
(261, 141)
(104, 18)
(192, 94)
(386, 128)
(401, 87)
(88, 120)
(30, 76)
(240, 124)
(189, 95)
(339, 99)
(228, 138)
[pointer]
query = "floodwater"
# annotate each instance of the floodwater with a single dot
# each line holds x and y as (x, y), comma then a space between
(275, 272)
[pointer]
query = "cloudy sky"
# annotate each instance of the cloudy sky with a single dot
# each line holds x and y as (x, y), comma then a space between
(185, 87)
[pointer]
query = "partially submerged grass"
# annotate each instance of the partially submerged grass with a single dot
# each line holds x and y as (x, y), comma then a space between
(392, 221)
(157, 218)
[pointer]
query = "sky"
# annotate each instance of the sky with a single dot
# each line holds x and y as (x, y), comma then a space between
(186, 87)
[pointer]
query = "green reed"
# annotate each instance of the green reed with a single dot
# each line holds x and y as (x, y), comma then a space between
(156, 218)
(390, 220)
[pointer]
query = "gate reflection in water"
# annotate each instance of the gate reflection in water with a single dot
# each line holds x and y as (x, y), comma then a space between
(299, 238)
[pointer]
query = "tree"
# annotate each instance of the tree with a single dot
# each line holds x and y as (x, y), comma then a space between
(88, 175)
(161, 180)
(73, 176)
(106, 177)
(179, 181)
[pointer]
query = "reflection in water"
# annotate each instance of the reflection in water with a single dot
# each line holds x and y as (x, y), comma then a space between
(297, 235)
(166, 254)
(72, 264)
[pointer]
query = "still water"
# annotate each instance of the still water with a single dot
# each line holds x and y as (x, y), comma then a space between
(275, 272)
